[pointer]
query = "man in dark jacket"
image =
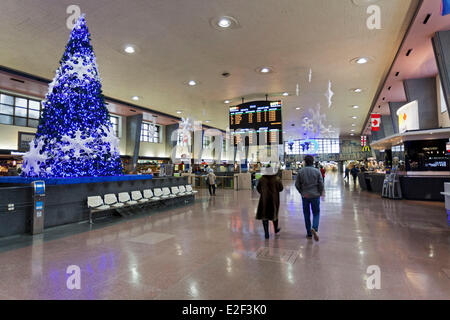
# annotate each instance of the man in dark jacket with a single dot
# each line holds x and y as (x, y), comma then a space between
(309, 183)
(354, 172)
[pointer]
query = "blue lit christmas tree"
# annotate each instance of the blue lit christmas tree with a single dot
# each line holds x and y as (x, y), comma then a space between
(75, 137)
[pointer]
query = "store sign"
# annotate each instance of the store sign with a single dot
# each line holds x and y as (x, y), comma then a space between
(363, 141)
(310, 146)
(375, 120)
(364, 144)
(408, 117)
(25, 138)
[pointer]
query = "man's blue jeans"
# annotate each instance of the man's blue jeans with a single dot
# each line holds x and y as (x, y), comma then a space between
(314, 204)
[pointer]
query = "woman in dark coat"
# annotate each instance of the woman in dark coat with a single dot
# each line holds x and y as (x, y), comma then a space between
(269, 186)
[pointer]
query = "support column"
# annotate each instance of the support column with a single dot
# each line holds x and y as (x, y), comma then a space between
(134, 124)
(393, 107)
(386, 129)
(376, 135)
(424, 91)
(441, 46)
(170, 129)
(387, 126)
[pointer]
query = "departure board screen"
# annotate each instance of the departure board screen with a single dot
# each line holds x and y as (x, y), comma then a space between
(257, 119)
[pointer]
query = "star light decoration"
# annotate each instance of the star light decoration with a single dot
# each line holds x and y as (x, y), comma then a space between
(75, 137)
(152, 126)
(34, 157)
(327, 131)
(317, 118)
(186, 127)
(78, 144)
(329, 94)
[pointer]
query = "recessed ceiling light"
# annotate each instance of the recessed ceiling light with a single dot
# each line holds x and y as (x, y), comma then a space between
(285, 94)
(129, 49)
(298, 108)
(179, 111)
(264, 70)
(354, 117)
(135, 98)
(192, 83)
(357, 90)
(227, 101)
(355, 107)
(352, 130)
(224, 22)
(207, 121)
(362, 60)
(352, 134)
(353, 125)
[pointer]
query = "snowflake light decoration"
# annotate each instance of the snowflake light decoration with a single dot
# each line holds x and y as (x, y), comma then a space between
(307, 125)
(329, 94)
(34, 158)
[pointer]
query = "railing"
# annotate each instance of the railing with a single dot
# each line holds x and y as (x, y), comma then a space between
(223, 182)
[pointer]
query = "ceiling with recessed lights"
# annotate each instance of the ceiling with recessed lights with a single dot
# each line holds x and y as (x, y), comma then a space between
(175, 44)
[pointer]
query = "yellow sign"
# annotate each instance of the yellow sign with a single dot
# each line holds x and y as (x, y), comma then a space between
(366, 149)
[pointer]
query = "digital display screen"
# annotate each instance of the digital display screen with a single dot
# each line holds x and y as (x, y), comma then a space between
(260, 120)
(427, 155)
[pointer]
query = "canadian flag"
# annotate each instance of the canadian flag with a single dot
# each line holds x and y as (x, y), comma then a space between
(375, 120)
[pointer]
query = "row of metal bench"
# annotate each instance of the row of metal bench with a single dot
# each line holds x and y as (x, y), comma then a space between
(123, 199)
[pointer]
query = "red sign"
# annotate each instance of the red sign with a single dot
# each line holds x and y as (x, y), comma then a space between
(375, 120)
(363, 141)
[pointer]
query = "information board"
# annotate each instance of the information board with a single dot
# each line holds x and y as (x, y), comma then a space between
(255, 119)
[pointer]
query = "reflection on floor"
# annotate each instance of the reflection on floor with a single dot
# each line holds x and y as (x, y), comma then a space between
(214, 249)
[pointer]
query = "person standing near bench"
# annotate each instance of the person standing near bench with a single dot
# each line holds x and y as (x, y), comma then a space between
(309, 184)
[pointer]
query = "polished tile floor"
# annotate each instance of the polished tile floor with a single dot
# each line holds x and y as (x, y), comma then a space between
(214, 249)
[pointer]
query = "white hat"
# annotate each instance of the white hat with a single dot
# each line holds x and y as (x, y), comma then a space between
(270, 171)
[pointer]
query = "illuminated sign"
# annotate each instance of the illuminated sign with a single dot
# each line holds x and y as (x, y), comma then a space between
(310, 146)
(257, 116)
(408, 117)
(39, 187)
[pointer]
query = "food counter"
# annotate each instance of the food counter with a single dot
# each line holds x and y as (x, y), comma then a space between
(414, 187)
(371, 181)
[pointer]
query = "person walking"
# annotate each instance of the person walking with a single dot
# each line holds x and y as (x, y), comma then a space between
(309, 184)
(269, 187)
(347, 172)
(211, 181)
(354, 172)
(322, 172)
